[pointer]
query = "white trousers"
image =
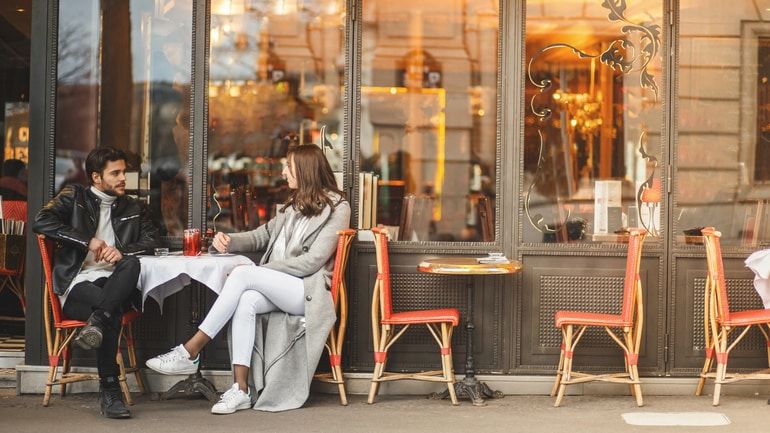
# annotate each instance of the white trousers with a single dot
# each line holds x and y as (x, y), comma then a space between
(248, 291)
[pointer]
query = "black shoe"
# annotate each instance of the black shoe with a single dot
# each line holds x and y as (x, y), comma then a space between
(111, 399)
(90, 336)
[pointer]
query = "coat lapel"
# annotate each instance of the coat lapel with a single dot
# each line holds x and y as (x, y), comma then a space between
(316, 222)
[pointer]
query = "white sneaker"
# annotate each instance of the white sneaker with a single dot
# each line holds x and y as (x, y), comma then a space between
(177, 361)
(232, 400)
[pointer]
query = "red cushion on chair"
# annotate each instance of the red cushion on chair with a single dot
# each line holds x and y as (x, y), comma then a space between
(10, 272)
(582, 318)
(71, 324)
(748, 317)
(424, 316)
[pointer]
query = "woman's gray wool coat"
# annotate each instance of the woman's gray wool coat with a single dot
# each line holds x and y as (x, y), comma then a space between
(286, 350)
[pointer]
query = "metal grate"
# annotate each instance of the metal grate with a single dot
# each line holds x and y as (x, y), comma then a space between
(578, 293)
(742, 296)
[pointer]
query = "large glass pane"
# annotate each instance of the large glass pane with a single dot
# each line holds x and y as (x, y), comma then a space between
(276, 78)
(124, 81)
(15, 44)
(723, 123)
(593, 119)
(428, 147)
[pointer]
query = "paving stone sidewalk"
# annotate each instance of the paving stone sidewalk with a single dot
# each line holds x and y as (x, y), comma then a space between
(531, 414)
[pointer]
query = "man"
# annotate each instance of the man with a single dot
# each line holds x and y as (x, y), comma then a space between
(13, 184)
(95, 272)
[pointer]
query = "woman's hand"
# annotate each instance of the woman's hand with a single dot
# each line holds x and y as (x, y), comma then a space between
(221, 242)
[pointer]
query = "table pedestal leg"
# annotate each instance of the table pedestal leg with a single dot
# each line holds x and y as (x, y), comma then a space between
(471, 387)
(194, 386)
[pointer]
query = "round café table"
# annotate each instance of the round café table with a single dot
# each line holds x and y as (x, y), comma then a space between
(469, 267)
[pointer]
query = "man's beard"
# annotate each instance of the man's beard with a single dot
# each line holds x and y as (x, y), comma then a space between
(112, 192)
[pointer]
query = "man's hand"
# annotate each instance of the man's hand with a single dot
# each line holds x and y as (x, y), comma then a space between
(97, 247)
(221, 242)
(111, 255)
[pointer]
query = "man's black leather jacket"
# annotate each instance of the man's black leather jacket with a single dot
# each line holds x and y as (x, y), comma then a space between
(72, 217)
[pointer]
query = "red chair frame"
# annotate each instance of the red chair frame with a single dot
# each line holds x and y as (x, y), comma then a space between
(13, 279)
(440, 323)
(340, 297)
(64, 330)
(631, 319)
(721, 322)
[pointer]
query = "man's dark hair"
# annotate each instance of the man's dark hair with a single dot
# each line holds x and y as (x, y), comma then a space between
(97, 160)
(13, 167)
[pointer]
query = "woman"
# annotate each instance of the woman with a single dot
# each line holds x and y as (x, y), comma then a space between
(293, 277)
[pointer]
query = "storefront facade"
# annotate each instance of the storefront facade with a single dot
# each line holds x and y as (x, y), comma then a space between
(534, 128)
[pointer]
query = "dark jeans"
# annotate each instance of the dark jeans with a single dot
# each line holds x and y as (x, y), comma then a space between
(114, 295)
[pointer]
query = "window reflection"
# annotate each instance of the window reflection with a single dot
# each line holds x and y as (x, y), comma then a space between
(276, 78)
(592, 120)
(124, 80)
(429, 118)
(723, 151)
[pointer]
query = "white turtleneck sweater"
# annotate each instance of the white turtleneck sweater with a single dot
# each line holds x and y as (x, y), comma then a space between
(93, 270)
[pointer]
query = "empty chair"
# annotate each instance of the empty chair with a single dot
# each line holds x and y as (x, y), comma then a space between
(630, 321)
(385, 324)
(722, 321)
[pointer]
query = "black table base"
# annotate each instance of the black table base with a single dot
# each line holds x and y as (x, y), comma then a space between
(471, 388)
(194, 386)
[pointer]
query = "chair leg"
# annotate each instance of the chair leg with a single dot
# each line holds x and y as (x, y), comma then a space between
(559, 369)
(53, 365)
(122, 377)
(379, 366)
(446, 361)
(567, 365)
(67, 357)
(721, 365)
(376, 375)
(707, 364)
(337, 369)
(637, 386)
(130, 348)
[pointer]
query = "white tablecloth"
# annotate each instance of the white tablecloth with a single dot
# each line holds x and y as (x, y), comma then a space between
(759, 262)
(162, 276)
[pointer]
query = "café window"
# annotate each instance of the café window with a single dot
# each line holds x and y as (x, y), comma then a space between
(723, 123)
(276, 78)
(593, 120)
(123, 80)
(428, 129)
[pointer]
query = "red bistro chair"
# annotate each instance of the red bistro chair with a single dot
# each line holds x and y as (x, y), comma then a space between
(340, 298)
(58, 344)
(13, 279)
(574, 323)
(722, 321)
(385, 322)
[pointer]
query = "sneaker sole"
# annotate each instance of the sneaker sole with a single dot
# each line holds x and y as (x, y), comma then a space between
(170, 372)
(89, 338)
(229, 411)
(121, 416)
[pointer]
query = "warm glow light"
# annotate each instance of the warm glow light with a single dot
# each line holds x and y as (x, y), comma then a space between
(285, 7)
(393, 90)
(227, 7)
(652, 195)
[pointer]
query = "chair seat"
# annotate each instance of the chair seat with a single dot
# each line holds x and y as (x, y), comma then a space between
(71, 324)
(129, 316)
(9, 272)
(424, 316)
(748, 317)
(582, 318)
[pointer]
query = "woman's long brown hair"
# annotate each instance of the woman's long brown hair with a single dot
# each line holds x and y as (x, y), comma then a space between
(315, 181)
